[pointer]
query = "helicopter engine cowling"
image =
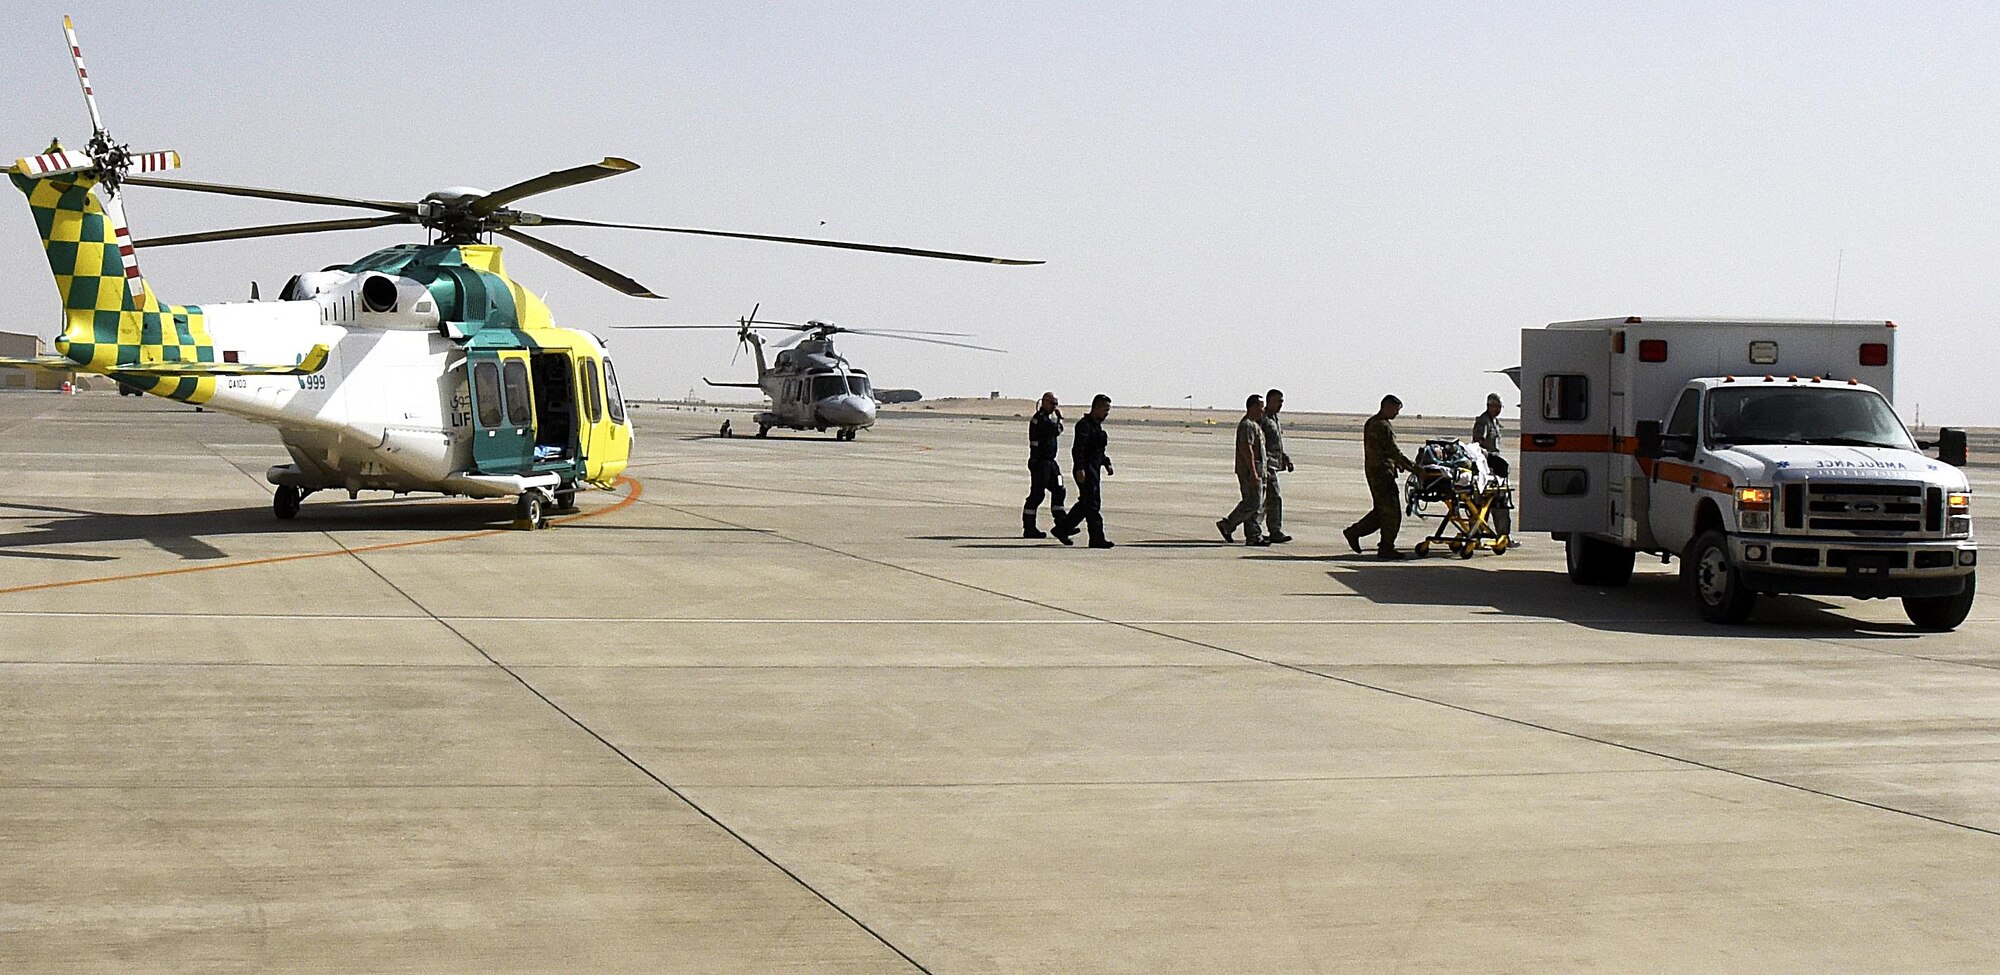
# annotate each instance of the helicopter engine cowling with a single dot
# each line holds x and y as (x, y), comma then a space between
(375, 300)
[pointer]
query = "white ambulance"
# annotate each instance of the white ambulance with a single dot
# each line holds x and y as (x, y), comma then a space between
(1763, 453)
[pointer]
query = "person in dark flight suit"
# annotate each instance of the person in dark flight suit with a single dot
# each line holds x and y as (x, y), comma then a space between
(1044, 470)
(1091, 465)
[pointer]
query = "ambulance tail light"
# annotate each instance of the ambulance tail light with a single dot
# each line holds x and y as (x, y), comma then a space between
(1874, 353)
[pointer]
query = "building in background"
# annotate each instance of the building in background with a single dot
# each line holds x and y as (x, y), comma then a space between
(16, 345)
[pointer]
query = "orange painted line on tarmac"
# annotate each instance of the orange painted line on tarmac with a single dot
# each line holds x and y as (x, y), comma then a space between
(632, 495)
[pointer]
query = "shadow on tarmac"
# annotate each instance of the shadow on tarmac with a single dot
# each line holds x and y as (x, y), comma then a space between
(1652, 603)
(182, 533)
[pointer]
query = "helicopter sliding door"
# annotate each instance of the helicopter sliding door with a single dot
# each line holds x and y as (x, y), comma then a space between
(503, 412)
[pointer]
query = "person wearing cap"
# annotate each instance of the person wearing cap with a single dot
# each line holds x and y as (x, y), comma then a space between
(1487, 433)
(1381, 461)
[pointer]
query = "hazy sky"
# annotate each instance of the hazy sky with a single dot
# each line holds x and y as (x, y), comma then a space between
(1342, 199)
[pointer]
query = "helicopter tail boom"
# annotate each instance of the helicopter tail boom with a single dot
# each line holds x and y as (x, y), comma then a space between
(112, 320)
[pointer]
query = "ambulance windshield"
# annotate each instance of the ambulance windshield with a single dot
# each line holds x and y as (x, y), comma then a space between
(1792, 414)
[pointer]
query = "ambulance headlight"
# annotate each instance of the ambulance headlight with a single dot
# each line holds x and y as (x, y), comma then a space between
(1753, 509)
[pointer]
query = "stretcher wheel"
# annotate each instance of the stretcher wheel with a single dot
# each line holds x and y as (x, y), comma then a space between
(1501, 544)
(1423, 548)
(1468, 548)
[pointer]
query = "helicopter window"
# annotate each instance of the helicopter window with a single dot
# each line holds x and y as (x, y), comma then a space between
(486, 389)
(825, 386)
(514, 373)
(858, 385)
(591, 401)
(611, 397)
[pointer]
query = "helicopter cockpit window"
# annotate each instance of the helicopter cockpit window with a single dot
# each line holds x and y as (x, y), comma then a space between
(611, 397)
(486, 393)
(520, 403)
(858, 385)
(825, 386)
(593, 405)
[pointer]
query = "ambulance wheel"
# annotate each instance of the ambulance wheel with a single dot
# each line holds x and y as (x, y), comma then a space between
(1593, 562)
(285, 503)
(528, 511)
(566, 499)
(1422, 548)
(1939, 613)
(1717, 587)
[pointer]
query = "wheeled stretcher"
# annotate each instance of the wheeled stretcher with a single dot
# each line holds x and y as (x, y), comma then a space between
(1454, 486)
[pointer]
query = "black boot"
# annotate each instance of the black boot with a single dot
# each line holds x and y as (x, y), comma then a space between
(1028, 529)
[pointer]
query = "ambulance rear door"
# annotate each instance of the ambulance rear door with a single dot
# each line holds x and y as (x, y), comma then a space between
(1567, 443)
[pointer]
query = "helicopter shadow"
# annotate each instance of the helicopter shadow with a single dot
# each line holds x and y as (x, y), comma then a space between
(184, 534)
(1652, 603)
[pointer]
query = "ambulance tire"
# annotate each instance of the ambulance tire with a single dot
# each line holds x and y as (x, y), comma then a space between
(1712, 579)
(1940, 614)
(566, 499)
(285, 503)
(1594, 562)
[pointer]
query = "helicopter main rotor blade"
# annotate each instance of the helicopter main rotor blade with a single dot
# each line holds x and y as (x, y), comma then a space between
(809, 241)
(611, 166)
(288, 196)
(271, 230)
(577, 262)
(905, 331)
(730, 327)
(912, 338)
(789, 341)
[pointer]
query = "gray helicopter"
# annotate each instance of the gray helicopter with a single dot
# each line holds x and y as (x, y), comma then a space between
(812, 387)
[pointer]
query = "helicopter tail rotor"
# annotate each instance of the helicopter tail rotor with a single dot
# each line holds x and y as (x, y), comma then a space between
(107, 159)
(743, 332)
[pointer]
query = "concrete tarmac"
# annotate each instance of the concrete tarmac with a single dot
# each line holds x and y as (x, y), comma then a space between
(811, 706)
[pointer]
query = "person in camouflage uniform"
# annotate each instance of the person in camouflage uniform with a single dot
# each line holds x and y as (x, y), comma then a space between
(1381, 461)
(1277, 461)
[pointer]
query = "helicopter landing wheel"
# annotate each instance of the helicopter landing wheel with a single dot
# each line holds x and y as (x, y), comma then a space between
(763, 430)
(528, 513)
(566, 500)
(285, 503)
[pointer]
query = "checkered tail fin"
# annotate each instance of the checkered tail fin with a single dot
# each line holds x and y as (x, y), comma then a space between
(110, 317)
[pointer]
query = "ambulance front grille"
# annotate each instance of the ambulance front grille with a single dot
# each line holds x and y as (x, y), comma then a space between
(1873, 509)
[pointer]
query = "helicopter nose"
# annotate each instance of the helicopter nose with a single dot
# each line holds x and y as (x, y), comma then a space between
(847, 411)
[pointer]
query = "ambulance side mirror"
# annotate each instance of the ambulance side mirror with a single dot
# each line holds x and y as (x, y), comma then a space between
(1950, 446)
(1647, 433)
